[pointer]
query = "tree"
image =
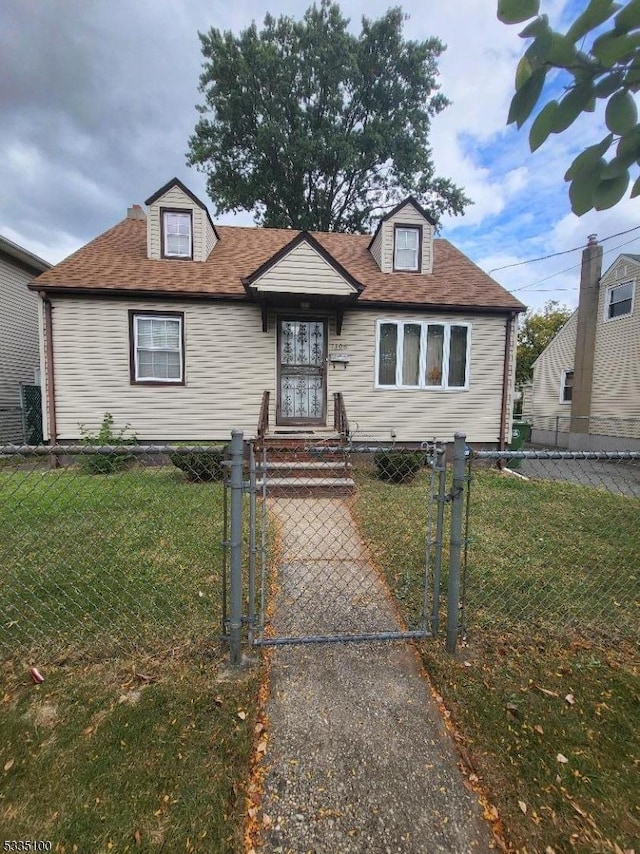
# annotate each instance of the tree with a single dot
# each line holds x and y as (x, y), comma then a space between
(535, 333)
(596, 63)
(313, 127)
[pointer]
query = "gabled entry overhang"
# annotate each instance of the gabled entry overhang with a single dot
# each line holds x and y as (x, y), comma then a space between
(303, 275)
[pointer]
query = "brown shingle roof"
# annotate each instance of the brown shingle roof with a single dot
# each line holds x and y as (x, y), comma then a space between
(116, 261)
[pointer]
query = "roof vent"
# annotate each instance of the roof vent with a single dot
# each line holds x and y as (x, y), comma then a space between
(136, 212)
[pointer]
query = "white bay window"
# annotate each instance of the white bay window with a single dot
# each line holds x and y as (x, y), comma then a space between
(422, 354)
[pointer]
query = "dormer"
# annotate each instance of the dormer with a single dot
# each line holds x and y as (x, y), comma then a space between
(403, 242)
(178, 225)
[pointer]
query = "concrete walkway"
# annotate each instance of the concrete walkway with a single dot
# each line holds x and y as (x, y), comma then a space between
(359, 759)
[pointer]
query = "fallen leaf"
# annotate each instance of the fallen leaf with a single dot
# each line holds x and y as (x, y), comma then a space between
(570, 699)
(262, 746)
(258, 728)
(561, 758)
(8, 765)
(513, 709)
(242, 715)
(252, 812)
(267, 821)
(537, 728)
(137, 837)
(523, 806)
(546, 691)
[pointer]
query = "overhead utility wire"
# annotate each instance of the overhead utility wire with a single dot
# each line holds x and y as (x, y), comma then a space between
(574, 267)
(557, 254)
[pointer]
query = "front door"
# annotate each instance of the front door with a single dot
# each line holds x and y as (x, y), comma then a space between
(302, 371)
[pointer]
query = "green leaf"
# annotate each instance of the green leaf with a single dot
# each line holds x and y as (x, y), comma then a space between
(629, 17)
(595, 14)
(611, 47)
(538, 50)
(616, 167)
(536, 28)
(621, 113)
(635, 190)
(589, 159)
(543, 125)
(526, 98)
(632, 79)
(608, 85)
(580, 196)
(562, 52)
(516, 11)
(523, 71)
(571, 106)
(629, 146)
(609, 192)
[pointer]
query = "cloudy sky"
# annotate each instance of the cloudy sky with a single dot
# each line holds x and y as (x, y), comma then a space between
(97, 103)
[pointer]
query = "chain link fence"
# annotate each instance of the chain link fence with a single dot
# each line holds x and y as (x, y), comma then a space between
(553, 544)
(109, 550)
(322, 580)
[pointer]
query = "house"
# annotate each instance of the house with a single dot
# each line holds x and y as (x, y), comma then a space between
(184, 330)
(19, 343)
(585, 393)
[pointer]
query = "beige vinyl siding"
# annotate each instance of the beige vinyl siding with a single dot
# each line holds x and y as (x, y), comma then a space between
(547, 376)
(303, 271)
(616, 368)
(376, 249)
(423, 414)
(229, 361)
(19, 352)
(407, 215)
(203, 236)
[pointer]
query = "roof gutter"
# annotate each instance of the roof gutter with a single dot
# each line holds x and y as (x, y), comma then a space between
(51, 393)
(508, 337)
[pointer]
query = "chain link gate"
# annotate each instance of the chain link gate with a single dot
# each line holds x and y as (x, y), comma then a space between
(310, 576)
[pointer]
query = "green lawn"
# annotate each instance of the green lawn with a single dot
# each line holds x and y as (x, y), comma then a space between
(550, 670)
(111, 587)
(97, 564)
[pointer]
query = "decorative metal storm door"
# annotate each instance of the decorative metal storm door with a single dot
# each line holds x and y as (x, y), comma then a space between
(302, 391)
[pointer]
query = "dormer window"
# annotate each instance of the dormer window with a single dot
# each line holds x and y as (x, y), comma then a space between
(177, 241)
(406, 248)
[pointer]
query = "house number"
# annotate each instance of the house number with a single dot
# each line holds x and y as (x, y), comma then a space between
(337, 346)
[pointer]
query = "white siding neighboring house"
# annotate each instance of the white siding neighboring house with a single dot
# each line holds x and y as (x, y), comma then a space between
(586, 384)
(179, 329)
(19, 346)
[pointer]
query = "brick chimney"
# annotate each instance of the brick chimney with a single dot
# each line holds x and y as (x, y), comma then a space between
(586, 335)
(136, 212)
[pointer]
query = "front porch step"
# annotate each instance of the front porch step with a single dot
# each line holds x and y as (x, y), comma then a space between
(301, 487)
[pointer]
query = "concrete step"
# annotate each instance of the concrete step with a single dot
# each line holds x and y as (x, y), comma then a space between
(298, 487)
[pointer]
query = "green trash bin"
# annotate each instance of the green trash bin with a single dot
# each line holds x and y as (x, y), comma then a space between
(525, 430)
(517, 442)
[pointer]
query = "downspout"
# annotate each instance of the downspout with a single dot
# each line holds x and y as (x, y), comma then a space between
(505, 382)
(51, 394)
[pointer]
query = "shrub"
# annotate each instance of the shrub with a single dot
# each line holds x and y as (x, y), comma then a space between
(398, 466)
(201, 465)
(105, 463)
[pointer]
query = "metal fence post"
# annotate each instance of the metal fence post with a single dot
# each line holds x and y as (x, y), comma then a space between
(457, 512)
(252, 542)
(235, 592)
(441, 469)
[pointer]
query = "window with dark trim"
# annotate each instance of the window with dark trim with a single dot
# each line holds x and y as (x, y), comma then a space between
(407, 248)
(619, 300)
(156, 347)
(566, 387)
(422, 354)
(177, 234)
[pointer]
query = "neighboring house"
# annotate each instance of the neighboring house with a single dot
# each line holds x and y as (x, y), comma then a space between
(586, 384)
(19, 342)
(179, 329)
